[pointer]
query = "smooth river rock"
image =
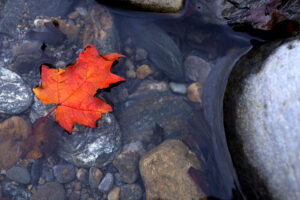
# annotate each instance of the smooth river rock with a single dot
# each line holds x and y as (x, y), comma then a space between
(90, 147)
(164, 171)
(262, 115)
(15, 95)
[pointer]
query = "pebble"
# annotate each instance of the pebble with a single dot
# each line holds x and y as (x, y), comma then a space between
(10, 191)
(114, 194)
(127, 51)
(127, 164)
(143, 71)
(196, 68)
(141, 54)
(95, 176)
(131, 192)
(130, 74)
(136, 146)
(178, 87)
(117, 179)
(129, 64)
(83, 176)
(106, 183)
(64, 173)
(18, 174)
(194, 92)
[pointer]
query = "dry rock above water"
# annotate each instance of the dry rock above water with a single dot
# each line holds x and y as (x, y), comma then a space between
(164, 6)
(262, 115)
(164, 170)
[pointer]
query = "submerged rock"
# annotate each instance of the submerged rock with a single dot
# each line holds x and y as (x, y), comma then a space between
(161, 48)
(152, 103)
(262, 114)
(95, 176)
(164, 170)
(101, 31)
(15, 95)
(92, 147)
(18, 174)
(64, 173)
(15, 192)
(50, 191)
(12, 132)
(131, 192)
(106, 183)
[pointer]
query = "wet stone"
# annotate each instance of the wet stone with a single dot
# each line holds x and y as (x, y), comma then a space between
(131, 192)
(140, 54)
(194, 92)
(106, 183)
(83, 176)
(54, 8)
(12, 132)
(39, 110)
(50, 191)
(18, 174)
(114, 194)
(143, 71)
(13, 10)
(196, 68)
(90, 147)
(117, 179)
(15, 192)
(15, 95)
(178, 87)
(164, 172)
(152, 103)
(162, 50)
(100, 30)
(127, 165)
(95, 176)
(64, 173)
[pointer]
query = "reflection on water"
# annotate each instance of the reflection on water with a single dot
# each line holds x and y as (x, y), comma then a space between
(176, 69)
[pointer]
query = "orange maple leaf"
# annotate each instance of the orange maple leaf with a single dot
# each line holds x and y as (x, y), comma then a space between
(73, 88)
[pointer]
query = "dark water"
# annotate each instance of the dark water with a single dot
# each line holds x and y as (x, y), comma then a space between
(169, 39)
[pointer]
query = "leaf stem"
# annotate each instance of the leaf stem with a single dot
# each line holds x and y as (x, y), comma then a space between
(42, 120)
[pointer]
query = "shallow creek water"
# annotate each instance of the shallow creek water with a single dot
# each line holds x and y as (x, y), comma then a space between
(180, 49)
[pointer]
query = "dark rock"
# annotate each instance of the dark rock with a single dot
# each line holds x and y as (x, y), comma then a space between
(117, 179)
(13, 16)
(15, 192)
(127, 164)
(0, 192)
(95, 176)
(64, 173)
(47, 173)
(53, 8)
(196, 69)
(153, 103)
(106, 183)
(100, 30)
(83, 176)
(15, 95)
(131, 192)
(162, 50)
(261, 115)
(36, 171)
(18, 174)
(75, 195)
(92, 147)
(50, 191)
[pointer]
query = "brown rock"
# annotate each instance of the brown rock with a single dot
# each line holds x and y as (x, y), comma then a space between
(69, 29)
(195, 92)
(127, 163)
(95, 176)
(114, 194)
(164, 170)
(143, 71)
(100, 30)
(12, 132)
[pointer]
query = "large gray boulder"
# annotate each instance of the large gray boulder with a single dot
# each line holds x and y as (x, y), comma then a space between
(262, 115)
